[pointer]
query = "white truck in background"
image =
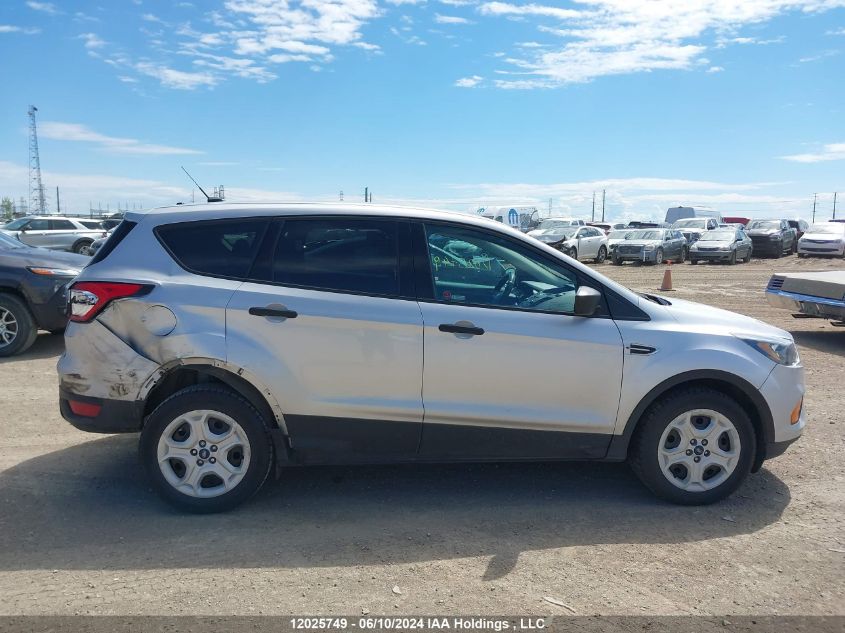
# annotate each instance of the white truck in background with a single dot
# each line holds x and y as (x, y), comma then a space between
(673, 214)
(523, 218)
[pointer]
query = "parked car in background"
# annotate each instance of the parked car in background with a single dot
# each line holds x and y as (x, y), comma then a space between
(823, 238)
(33, 289)
(693, 228)
(731, 219)
(651, 246)
(723, 245)
(606, 227)
(548, 224)
(579, 242)
(615, 237)
(772, 237)
(55, 233)
(800, 226)
(243, 338)
(96, 244)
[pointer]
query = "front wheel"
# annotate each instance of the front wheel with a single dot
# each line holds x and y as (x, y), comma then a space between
(683, 257)
(602, 255)
(206, 449)
(573, 253)
(694, 446)
(658, 257)
(18, 329)
(614, 259)
(732, 259)
(693, 261)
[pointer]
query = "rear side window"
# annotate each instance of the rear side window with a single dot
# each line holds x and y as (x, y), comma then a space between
(113, 240)
(88, 224)
(222, 248)
(341, 254)
(62, 225)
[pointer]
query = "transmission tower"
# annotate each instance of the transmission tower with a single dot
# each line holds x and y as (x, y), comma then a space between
(37, 199)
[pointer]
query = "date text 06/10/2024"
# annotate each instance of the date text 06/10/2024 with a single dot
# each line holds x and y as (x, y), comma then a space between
(426, 623)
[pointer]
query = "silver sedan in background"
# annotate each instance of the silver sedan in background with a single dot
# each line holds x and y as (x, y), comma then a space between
(723, 245)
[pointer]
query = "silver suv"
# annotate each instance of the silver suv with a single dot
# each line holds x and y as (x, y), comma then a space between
(57, 233)
(241, 338)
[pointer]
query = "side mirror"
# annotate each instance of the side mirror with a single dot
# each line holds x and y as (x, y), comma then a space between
(586, 301)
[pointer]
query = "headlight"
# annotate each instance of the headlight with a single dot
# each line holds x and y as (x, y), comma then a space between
(776, 236)
(648, 247)
(781, 353)
(53, 272)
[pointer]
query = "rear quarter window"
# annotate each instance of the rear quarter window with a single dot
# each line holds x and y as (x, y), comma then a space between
(220, 248)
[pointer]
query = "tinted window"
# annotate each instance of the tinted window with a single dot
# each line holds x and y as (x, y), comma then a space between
(62, 225)
(226, 248)
(477, 268)
(90, 224)
(38, 225)
(341, 254)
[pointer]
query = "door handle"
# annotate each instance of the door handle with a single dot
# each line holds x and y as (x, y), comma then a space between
(273, 312)
(454, 328)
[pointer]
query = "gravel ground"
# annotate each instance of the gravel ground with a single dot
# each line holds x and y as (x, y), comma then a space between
(81, 533)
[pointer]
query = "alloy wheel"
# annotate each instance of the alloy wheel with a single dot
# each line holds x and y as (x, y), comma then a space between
(699, 450)
(8, 327)
(203, 453)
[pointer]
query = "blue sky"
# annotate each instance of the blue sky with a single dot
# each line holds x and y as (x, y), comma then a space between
(739, 106)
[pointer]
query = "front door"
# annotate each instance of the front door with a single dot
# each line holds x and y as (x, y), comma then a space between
(336, 337)
(509, 372)
(37, 233)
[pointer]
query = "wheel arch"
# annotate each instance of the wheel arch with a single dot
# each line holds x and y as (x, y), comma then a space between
(748, 397)
(174, 376)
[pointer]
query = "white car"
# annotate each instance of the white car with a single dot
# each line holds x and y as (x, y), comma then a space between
(823, 238)
(241, 338)
(54, 232)
(550, 224)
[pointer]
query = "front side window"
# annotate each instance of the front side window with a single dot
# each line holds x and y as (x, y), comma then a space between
(224, 248)
(38, 225)
(477, 268)
(355, 255)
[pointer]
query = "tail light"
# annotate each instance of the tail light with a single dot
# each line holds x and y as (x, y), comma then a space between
(87, 299)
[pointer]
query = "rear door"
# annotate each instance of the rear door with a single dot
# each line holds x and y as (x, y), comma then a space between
(509, 372)
(62, 234)
(330, 322)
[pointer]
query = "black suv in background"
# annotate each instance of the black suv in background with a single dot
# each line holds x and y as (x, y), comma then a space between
(772, 237)
(33, 291)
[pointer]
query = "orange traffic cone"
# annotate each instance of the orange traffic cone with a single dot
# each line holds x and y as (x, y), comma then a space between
(667, 279)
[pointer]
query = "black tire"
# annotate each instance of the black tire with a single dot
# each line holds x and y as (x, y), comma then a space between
(615, 260)
(573, 253)
(602, 255)
(779, 251)
(802, 255)
(658, 257)
(642, 454)
(683, 256)
(732, 259)
(794, 247)
(81, 245)
(747, 258)
(225, 401)
(693, 261)
(25, 328)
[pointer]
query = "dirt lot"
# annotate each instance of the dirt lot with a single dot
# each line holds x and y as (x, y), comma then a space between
(80, 532)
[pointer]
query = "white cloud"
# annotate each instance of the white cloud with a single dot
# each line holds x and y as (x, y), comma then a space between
(9, 28)
(831, 151)
(611, 37)
(92, 41)
(149, 17)
(449, 19)
(819, 56)
(75, 132)
(172, 78)
(469, 82)
(44, 7)
(401, 2)
(715, 69)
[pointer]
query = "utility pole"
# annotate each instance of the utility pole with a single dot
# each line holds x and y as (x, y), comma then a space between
(58, 204)
(603, 191)
(593, 214)
(37, 198)
(341, 195)
(834, 205)
(815, 195)
(366, 194)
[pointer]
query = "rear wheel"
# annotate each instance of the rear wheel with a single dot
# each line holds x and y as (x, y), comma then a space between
(206, 449)
(18, 329)
(694, 446)
(602, 255)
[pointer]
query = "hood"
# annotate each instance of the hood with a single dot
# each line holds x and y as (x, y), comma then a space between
(713, 243)
(833, 237)
(642, 242)
(761, 231)
(689, 312)
(45, 258)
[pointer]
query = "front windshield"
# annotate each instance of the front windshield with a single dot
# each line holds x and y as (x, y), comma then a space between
(14, 225)
(718, 236)
(764, 224)
(832, 228)
(644, 235)
(7, 242)
(553, 224)
(695, 223)
(618, 235)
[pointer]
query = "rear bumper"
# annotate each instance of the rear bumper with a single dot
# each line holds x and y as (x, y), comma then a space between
(47, 299)
(115, 416)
